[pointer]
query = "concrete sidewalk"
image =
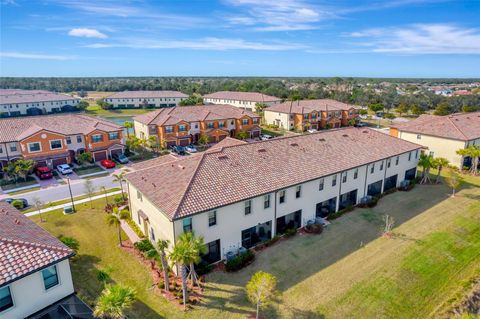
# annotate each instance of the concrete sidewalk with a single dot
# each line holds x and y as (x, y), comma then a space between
(80, 201)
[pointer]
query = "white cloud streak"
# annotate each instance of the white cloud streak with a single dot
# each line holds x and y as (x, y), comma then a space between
(87, 33)
(34, 56)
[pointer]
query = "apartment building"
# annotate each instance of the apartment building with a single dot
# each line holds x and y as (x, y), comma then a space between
(240, 194)
(442, 135)
(57, 139)
(35, 277)
(311, 114)
(244, 100)
(145, 99)
(34, 102)
(184, 125)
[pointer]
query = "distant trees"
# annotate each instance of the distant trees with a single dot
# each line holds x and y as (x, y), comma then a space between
(82, 105)
(375, 107)
(194, 99)
(103, 104)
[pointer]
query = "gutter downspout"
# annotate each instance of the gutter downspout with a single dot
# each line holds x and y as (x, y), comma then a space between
(366, 178)
(340, 190)
(385, 175)
(274, 222)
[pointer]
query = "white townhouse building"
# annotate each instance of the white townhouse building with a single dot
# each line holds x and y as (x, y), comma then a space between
(245, 100)
(35, 277)
(240, 194)
(152, 99)
(34, 102)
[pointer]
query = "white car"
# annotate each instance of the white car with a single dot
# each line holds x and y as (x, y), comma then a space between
(312, 130)
(265, 137)
(64, 169)
(190, 149)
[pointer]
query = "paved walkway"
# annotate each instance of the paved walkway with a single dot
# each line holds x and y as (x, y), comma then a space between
(80, 201)
(129, 231)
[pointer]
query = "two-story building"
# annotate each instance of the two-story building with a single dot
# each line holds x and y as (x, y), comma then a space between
(145, 99)
(244, 100)
(243, 193)
(443, 136)
(57, 139)
(184, 125)
(311, 114)
(35, 277)
(34, 102)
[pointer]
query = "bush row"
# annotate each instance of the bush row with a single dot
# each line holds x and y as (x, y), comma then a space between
(240, 261)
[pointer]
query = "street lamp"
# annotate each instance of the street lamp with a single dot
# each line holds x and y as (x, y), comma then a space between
(71, 196)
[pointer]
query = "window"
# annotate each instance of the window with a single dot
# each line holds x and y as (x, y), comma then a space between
(255, 120)
(168, 129)
(283, 197)
(389, 162)
(244, 121)
(381, 165)
(409, 156)
(50, 277)
(182, 128)
(56, 144)
(187, 225)
(113, 136)
(314, 115)
(321, 184)
(355, 174)
(305, 116)
(6, 300)
(69, 140)
(1, 150)
(221, 124)
(372, 168)
(139, 196)
(398, 157)
(79, 139)
(416, 154)
(97, 138)
(266, 201)
(298, 191)
(344, 178)
(210, 124)
(419, 137)
(334, 180)
(152, 234)
(13, 147)
(212, 218)
(196, 125)
(34, 147)
(248, 207)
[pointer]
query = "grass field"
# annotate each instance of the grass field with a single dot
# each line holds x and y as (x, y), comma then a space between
(349, 271)
(94, 109)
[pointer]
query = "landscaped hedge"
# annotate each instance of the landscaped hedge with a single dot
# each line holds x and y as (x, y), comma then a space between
(144, 245)
(240, 261)
(135, 228)
(5, 182)
(344, 211)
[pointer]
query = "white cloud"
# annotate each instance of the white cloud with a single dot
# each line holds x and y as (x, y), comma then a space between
(210, 43)
(421, 39)
(34, 56)
(87, 33)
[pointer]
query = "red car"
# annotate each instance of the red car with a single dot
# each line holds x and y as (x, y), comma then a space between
(107, 163)
(43, 172)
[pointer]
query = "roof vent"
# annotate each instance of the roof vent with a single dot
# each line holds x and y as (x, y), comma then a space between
(294, 144)
(262, 150)
(364, 131)
(321, 139)
(345, 135)
(153, 184)
(181, 166)
(223, 157)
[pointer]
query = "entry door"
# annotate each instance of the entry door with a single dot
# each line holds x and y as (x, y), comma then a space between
(247, 237)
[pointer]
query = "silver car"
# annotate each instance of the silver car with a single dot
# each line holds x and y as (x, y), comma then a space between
(64, 169)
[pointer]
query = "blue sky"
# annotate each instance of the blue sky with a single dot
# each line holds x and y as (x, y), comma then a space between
(394, 38)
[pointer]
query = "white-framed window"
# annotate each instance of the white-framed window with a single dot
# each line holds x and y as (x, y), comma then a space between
(55, 144)
(244, 121)
(50, 277)
(97, 138)
(255, 120)
(419, 137)
(248, 207)
(397, 160)
(113, 136)
(372, 168)
(344, 177)
(416, 154)
(168, 129)
(321, 184)
(221, 124)
(69, 140)
(187, 225)
(298, 191)
(409, 156)
(381, 165)
(79, 139)
(389, 162)
(355, 173)
(6, 299)
(212, 218)
(210, 125)
(182, 128)
(266, 201)
(334, 180)
(13, 147)
(34, 147)
(282, 196)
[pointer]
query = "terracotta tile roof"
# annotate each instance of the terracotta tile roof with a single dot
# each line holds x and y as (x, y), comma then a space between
(24, 246)
(233, 173)
(308, 106)
(460, 126)
(16, 129)
(11, 96)
(146, 94)
(242, 96)
(173, 115)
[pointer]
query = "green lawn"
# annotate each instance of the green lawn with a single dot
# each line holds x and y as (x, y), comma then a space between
(94, 109)
(80, 171)
(349, 271)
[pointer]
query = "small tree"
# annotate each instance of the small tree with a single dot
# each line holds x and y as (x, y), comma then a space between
(261, 290)
(474, 153)
(402, 109)
(426, 162)
(260, 107)
(120, 178)
(197, 246)
(82, 105)
(128, 125)
(454, 180)
(38, 204)
(113, 302)
(180, 256)
(375, 107)
(203, 139)
(115, 219)
(85, 157)
(89, 190)
(162, 246)
(439, 163)
(23, 167)
(389, 222)
(242, 135)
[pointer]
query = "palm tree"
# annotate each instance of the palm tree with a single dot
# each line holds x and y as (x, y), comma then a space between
(120, 178)
(128, 125)
(474, 153)
(440, 163)
(426, 162)
(180, 256)
(115, 219)
(114, 301)
(198, 248)
(162, 246)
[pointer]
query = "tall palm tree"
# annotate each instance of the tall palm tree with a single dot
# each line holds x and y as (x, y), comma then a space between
(115, 219)
(162, 246)
(198, 248)
(128, 125)
(120, 178)
(113, 302)
(426, 162)
(180, 256)
(440, 163)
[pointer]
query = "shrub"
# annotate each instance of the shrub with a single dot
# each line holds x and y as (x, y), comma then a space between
(144, 245)
(240, 261)
(135, 228)
(203, 268)
(314, 228)
(343, 211)
(161, 285)
(118, 199)
(18, 204)
(290, 232)
(70, 242)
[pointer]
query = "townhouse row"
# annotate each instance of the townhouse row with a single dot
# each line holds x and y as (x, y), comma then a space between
(237, 195)
(184, 125)
(244, 100)
(58, 139)
(145, 99)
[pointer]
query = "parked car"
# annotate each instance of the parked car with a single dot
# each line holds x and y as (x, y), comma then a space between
(121, 158)
(64, 169)
(43, 172)
(360, 124)
(265, 137)
(312, 130)
(107, 163)
(180, 150)
(10, 200)
(380, 114)
(191, 148)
